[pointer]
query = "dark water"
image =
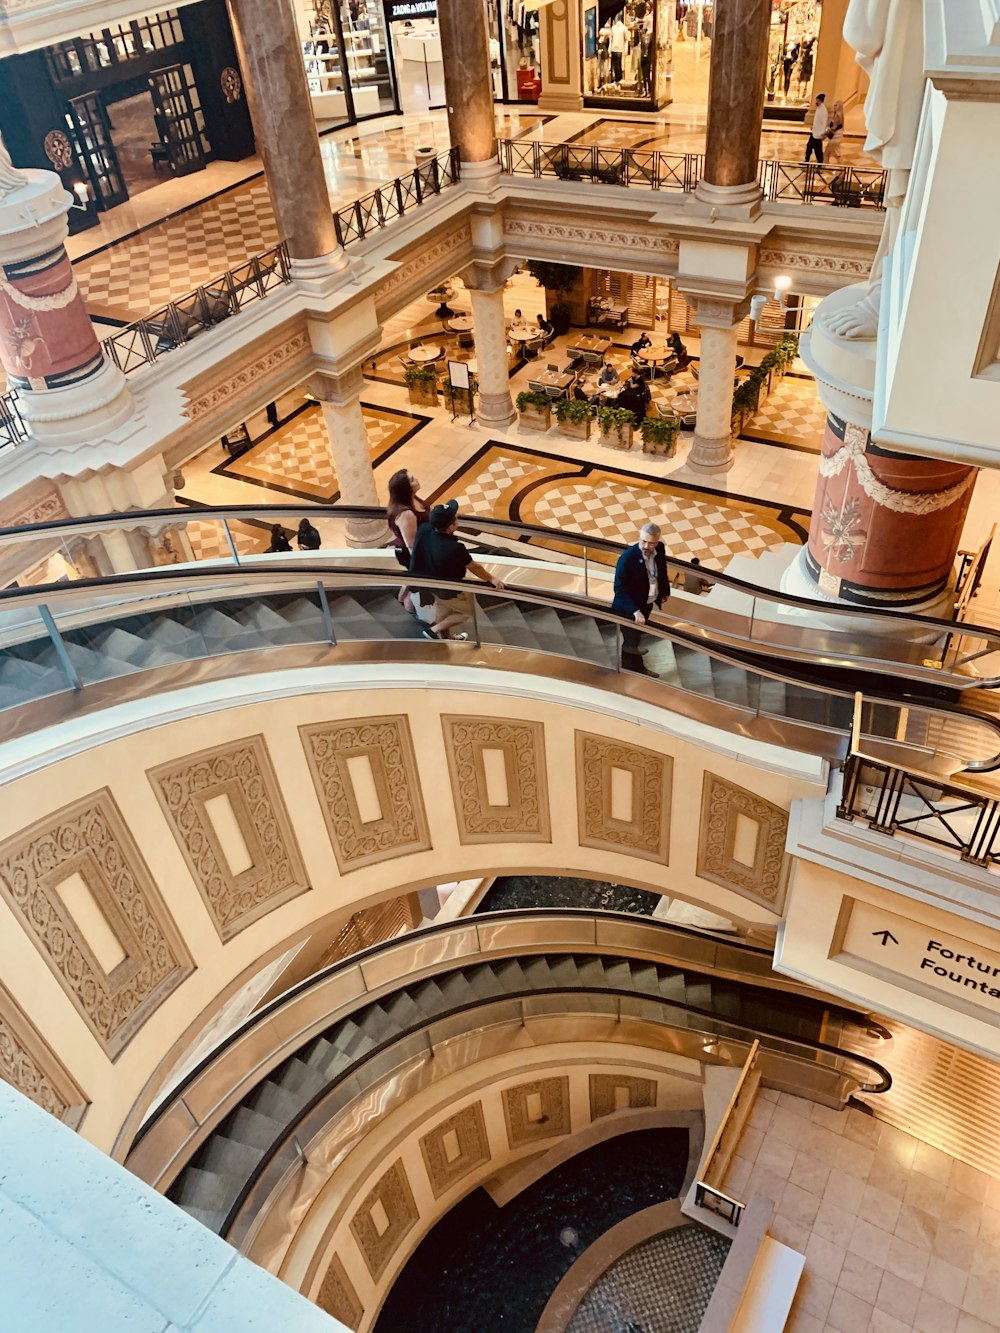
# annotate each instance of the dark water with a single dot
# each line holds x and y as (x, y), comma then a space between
(483, 1267)
(516, 892)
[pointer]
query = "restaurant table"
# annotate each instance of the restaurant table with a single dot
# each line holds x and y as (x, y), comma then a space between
(552, 379)
(429, 353)
(460, 324)
(607, 312)
(590, 342)
(524, 333)
(592, 388)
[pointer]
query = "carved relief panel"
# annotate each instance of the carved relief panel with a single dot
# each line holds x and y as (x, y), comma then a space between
(83, 893)
(367, 781)
(619, 1092)
(225, 809)
(623, 797)
(337, 1295)
(498, 778)
(741, 842)
(536, 1110)
(385, 1216)
(28, 1064)
(455, 1147)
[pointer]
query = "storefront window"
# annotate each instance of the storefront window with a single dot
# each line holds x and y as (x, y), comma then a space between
(791, 59)
(627, 51)
(363, 26)
(515, 60)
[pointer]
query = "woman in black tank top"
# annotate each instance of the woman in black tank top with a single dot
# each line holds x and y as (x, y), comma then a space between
(405, 512)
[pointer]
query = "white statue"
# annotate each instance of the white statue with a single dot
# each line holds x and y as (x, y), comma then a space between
(888, 36)
(10, 178)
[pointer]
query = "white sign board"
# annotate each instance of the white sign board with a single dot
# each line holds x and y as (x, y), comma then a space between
(917, 957)
(458, 373)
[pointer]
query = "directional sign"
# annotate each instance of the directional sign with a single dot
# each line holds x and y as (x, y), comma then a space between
(908, 953)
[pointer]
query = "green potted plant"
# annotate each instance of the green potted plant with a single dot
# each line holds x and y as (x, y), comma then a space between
(573, 417)
(459, 395)
(659, 435)
(535, 409)
(422, 386)
(558, 280)
(614, 427)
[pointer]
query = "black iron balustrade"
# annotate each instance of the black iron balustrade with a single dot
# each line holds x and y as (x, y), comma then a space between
(140, 344)
(895, 800)
(392, 200)
(791, 182)
(12, 428)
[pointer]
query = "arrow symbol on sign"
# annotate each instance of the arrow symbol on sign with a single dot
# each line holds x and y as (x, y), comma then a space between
(885, 936)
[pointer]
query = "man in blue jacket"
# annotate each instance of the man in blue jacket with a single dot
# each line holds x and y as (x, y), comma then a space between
(641, 583)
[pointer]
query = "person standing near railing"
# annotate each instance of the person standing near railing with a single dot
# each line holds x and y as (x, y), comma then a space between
(820, 125)
(642, 584)
(834, 135)
(438, 554)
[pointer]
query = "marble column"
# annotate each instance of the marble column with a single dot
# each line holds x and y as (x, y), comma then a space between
(559, 54)
(712, 446)
(340, 398)
(496, 407)
(469, 88)
(885, 526)
(270, 53)
(737, 77)
(68, 391)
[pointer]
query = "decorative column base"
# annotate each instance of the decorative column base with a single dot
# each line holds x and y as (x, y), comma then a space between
(711, 455)
(318, 277)
(496, 409)
(481, 177)
(741, 202)
(81, 413)
(365, 533)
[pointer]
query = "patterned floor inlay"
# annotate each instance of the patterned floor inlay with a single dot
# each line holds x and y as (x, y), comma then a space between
(792, 414)
(505, 481)
(209, 542)
(131, 280)
(295, 459)
(663, 1284)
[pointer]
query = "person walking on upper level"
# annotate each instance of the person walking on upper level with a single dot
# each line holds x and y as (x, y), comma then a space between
(307, 537)
(642, 584)
(834, 135)
(820, 124)
(279, 540)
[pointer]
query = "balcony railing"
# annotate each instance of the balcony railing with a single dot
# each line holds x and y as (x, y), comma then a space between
(12, 428)
(392, 200)
(141, 343)
(781, 182)
(708, 1188)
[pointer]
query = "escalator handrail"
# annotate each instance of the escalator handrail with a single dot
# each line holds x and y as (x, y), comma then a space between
(289, 1129)
(469, 523)
(441, 928)
(352, 578)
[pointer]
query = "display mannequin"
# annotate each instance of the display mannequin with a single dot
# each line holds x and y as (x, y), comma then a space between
(888, 37)
(619, 46)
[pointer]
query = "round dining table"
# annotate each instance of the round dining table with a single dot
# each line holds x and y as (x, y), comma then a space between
(525, 333)
(430, 352)
(655, 355)
(460, 324)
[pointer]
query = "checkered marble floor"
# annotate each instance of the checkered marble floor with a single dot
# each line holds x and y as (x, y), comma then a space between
(520, 484)
(792, 414)
(296, 460)
(663, 1284)
(208, 538)
(169, 260)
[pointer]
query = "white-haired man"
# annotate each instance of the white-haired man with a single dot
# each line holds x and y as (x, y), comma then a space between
(641, 584)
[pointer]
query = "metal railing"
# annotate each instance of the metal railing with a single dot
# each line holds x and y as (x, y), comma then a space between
(392, 200)
(708, 1188)
(176, 323)
(12, 427)
(654, 169)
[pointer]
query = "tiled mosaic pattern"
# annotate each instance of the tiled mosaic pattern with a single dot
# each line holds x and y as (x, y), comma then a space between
(520, 484)
(664, 1284)
(792, 414)
(208, 538)
(296, 460)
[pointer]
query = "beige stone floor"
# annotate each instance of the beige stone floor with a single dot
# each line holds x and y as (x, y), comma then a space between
(898, 1236)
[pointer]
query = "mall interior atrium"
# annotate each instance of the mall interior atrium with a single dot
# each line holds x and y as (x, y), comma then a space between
(499, 666)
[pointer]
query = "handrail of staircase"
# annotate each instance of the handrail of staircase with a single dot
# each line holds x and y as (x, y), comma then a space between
(779, 1043)
(163, 577)
(469, 523)
(712, 955)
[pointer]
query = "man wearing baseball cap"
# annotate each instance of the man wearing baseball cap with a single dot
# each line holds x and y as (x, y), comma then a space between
(438, 554)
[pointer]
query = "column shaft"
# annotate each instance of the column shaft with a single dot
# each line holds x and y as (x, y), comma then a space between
(467, 81)
(281, 110)
(712, 447)
(496, 407)
(885, 527)
(345, 425)
(736, 99)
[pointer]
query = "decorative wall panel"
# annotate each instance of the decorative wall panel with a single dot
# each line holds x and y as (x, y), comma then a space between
(384, 746)
(619, 1092)
(644, 828)
(89, 840)
(337, 1295)
(465, 1134)
(386, 1215)
(536, 1110)
(242, 774)
(730, 816)
(28, 1064)
(525, 816)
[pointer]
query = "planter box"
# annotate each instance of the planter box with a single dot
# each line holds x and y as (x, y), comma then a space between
(537, 418)
(574, 430)
(660, 448)
(614, 440)
(423, 394)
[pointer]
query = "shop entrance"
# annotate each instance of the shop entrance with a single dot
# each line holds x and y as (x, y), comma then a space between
(416, 49)
(133, 131)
